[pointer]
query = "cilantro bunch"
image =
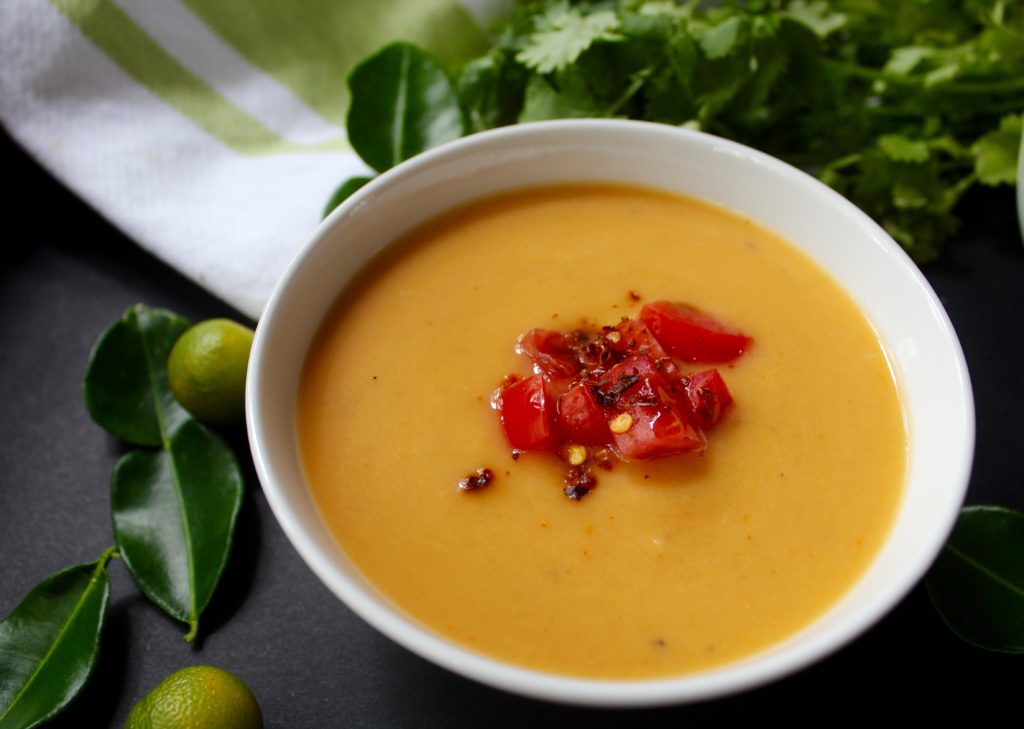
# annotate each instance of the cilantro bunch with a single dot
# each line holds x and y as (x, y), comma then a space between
(900, 106)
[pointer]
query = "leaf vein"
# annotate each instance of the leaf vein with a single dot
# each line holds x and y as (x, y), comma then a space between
(100, 565)
(985, 571)
(176, 480)
(401, 101)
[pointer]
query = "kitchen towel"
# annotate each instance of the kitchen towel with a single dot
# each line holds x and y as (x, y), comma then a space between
(210, 131)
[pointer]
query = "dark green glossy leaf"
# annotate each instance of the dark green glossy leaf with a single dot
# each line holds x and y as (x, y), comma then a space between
(125, 384)
(49, 644)
(977, 583)
(174, 514)
(174, 509)
(343, 192)
(402, 104)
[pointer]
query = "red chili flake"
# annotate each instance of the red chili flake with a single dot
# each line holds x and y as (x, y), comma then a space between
(579, 482)
(478, 480)
(516, 453)
(633, 295)
(610, 398)
(604, 458)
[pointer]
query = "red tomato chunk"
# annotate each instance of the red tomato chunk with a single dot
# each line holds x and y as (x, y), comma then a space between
(692, 335)
(580, 420)
(528, 414)
(551, 353)
(708, 397)
(646, 418)
(636, 339)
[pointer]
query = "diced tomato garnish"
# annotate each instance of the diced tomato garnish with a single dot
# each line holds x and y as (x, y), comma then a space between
(707, 396)
(635, 339)
(551, 353)
(528, 414)
(601, 393)
(657, 424)
(692, 335)
(580, 419)
(638, 365)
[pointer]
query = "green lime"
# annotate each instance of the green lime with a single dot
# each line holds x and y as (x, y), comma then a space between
(197, 697)
(206, 370)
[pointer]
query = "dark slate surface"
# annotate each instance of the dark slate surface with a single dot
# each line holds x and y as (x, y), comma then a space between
(309, 660)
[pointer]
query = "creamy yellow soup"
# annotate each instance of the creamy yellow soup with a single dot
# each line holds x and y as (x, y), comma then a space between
(669, 566)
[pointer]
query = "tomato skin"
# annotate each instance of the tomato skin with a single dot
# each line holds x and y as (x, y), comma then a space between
(659, 424)
(692, 335)
(528, 414)
(707, 396)
(551, 353)
(580, 420)
(636, 339)
(630, 367)
(659, 428)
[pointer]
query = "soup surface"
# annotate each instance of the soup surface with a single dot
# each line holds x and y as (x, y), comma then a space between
(669, 566)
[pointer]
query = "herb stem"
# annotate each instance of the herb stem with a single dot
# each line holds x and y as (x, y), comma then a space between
(843, 162)
(953, 194)
(1003, 86)
(629, 93)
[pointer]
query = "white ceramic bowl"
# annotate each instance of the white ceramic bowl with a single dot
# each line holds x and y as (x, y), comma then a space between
(891, 291)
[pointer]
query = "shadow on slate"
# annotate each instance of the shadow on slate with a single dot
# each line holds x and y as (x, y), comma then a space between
(96, 704)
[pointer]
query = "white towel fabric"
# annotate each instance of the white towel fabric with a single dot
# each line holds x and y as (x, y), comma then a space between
(229, 215)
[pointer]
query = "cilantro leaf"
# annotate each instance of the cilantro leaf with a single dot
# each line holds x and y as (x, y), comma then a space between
(903, 149)
(545, 101)
(725, 38)
(566, 35)
(817, 16)
(902, 107)
(996, 153)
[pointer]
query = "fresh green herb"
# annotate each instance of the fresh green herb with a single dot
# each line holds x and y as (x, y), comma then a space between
(174, 508)
(563, 33)
(902, 107)
(49, 644)
(977, 584)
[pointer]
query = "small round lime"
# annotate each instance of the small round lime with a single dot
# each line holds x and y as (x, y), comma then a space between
(206, 370)
(198, 696)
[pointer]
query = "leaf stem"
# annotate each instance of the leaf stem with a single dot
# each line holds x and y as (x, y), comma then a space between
(997, 578)
(952, 195)
(1004, 86)
(847, 161)
(631, 90)
(108, 554)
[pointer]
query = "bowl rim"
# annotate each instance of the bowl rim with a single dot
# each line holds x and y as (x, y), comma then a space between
(728, 679)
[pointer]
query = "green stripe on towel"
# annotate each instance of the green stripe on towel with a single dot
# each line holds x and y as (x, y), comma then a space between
(128, 45)
(310, 46)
